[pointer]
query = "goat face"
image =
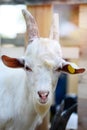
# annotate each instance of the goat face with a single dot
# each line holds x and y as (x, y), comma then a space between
(41, 61)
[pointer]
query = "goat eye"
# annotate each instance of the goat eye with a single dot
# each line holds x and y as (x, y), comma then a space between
(28, 68)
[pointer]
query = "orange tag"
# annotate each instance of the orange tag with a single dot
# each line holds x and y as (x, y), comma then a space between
(71, 69)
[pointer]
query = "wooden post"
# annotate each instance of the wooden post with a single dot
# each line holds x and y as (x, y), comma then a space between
(43, 16)
(83, 26)
(82, 91)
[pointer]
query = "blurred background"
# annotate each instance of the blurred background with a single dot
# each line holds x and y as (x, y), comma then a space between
(72, 37)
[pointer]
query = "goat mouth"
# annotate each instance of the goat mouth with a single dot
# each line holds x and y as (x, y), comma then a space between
(43, 101)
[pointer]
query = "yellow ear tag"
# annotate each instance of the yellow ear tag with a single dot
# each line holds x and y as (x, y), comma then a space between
(71, 69)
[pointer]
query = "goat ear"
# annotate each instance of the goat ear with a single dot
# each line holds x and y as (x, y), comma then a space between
(71, 68)
(12, 62)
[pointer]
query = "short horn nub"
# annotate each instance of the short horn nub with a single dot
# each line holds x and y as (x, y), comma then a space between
(32, 29)
(54, 32)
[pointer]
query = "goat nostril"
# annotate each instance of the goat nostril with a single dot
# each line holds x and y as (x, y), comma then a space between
(43, 95)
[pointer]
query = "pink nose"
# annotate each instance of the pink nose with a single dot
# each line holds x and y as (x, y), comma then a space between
(43, 94)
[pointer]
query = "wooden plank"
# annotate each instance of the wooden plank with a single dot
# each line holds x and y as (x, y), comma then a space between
(83, 16)
(56, 1)
(69, 1)
(70, 52)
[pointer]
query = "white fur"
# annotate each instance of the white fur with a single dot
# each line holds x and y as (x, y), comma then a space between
(20, 108)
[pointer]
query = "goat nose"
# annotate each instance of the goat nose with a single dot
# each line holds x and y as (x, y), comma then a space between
(43, 94)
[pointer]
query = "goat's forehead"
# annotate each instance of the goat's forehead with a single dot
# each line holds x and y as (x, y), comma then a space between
(43, 49)
(43, 45)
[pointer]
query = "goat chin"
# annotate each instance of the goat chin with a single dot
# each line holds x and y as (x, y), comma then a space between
(42, 109)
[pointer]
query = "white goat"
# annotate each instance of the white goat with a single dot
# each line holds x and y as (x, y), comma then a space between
(26, 92)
